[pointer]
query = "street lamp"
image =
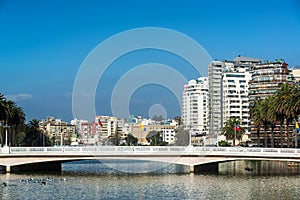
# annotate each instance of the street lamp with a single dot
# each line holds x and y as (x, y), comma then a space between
(222, 106)
(6, 127)
(190, 135)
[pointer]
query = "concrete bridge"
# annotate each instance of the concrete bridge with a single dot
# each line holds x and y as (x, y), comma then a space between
(197, 158)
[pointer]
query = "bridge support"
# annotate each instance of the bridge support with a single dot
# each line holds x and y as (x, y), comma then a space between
(209, 168)
(47, 166)
(7, 169)
(192, 169)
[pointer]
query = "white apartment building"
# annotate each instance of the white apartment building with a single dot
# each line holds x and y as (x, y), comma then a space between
(228, 91)
(106, 128)
(195, 106)
(215, 70)
(168, 133)
(235, 96)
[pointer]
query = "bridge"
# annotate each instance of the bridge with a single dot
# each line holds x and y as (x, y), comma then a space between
(14, 159)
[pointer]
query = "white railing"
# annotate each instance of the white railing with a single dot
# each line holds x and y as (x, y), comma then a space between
(155, 150)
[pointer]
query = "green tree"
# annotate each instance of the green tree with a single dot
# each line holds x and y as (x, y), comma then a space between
(230, 132)
(255, 113)
(33, 134)
(284, 108)
(17, 123)
(224, 144)
(272, 116)
(155, 139)
(12, 115)
(131, 140)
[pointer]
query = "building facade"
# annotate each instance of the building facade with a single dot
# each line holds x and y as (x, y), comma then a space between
(235, 97)
(215, 71)
(59, 132)
(195, 106)
(266, 79)
(109, 127)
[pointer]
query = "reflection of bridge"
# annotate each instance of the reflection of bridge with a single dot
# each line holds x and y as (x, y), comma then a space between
(50, 158)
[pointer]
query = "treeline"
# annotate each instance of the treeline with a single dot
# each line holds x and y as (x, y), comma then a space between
(283, 109)
(20, 133)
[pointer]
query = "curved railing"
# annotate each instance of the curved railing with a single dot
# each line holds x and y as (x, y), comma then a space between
(162, 150)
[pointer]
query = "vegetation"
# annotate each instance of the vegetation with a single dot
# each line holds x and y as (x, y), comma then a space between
(230, 132)
(224, 144)
(282, 108)
(155, 139)
(131, 140)
(19, 133)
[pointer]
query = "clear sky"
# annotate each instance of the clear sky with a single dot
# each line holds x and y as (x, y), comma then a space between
(43, 44)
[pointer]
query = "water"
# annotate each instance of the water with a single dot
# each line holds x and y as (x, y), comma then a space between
(95, 181)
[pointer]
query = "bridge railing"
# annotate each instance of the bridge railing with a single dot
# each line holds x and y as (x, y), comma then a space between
(178, 150)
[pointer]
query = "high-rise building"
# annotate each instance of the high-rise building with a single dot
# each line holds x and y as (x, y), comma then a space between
(235, 97)
(267, 78)
(215, 70)
(228, 92)
(195, 106)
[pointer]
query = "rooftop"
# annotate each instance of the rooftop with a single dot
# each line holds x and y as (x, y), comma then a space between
(246, 59)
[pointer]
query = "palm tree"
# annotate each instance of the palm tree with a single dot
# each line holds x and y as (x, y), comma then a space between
(2, 115)
(10, 106)
(230, 132)
(33, 134)
(281, 95)
(17, 122)
(291, 107)
(265, 106)
(11, 115)
(255, 113)
(284, 108)
(272, 116)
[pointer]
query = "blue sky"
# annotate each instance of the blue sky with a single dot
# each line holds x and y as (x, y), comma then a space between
(43, 43)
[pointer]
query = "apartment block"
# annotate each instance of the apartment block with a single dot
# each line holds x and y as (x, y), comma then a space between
(195, 106)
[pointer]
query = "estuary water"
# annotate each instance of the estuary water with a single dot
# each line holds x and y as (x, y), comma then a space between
(85, 180)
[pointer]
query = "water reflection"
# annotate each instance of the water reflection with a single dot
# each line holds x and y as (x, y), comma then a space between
(149, 186)
(123, 166)
(84, 180)
(258, 168)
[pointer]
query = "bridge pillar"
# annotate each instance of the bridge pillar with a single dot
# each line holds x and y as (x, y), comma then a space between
(47, 166)
(192, 169)
(7, 168)
(209, 168)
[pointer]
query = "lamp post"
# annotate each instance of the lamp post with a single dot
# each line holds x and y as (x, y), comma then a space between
(190, 135)
(234, 134)
(221, 108)
(1, 134)
(6, 127)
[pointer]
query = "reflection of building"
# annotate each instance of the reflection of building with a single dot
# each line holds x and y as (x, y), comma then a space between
(195, 104)
(59, 132)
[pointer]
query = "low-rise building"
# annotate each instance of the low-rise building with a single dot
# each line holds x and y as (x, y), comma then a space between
(60, 132)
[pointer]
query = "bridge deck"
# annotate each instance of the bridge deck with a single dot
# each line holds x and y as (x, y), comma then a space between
(191, 156)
